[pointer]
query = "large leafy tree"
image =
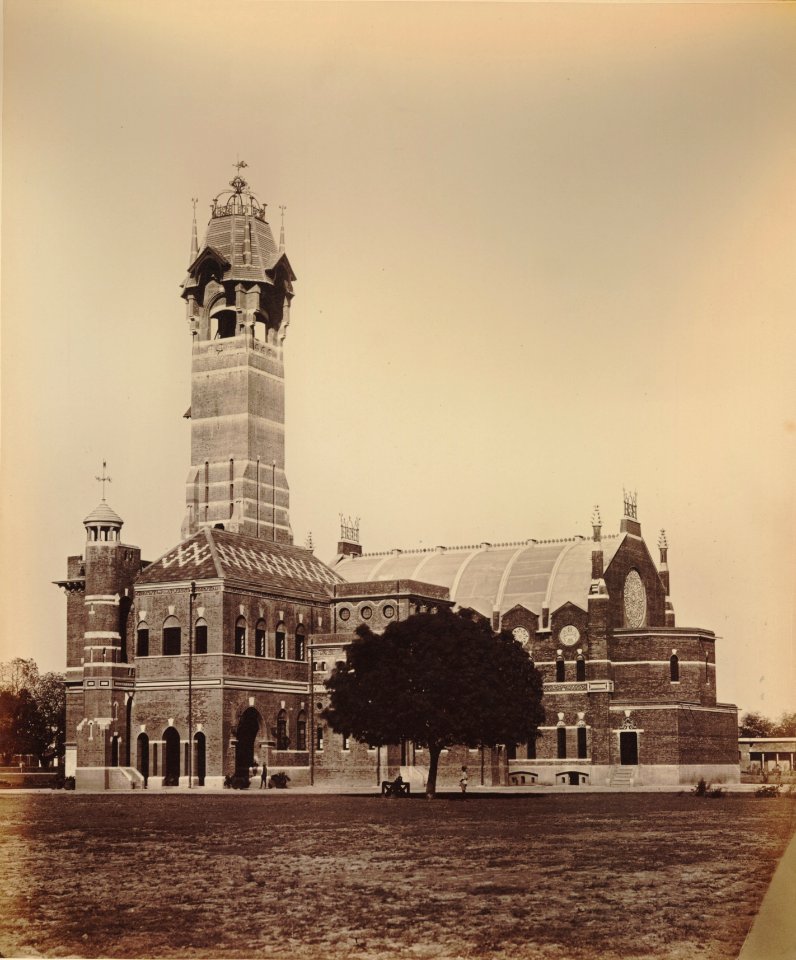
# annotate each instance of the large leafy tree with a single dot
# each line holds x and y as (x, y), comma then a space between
(437, 679)
(755, 724)
(32, 711)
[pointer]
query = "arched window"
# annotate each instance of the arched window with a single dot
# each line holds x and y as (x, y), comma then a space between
(200, 636)
(259, 639)
(281, 731)
(560, 670)
(561, 734)
(281, 645)
(301, 731)
(580, 669)
(582, 743)
(172, 637)
(300, 642)
(142, 641)
(674, 668)
(240, 635)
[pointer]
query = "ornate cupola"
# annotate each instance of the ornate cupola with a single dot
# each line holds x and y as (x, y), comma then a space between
(103, 524)
(238, 293)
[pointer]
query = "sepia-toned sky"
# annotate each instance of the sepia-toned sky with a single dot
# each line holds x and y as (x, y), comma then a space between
(544, 251)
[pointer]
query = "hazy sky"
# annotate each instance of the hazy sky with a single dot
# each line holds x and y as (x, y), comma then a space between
(543, 252)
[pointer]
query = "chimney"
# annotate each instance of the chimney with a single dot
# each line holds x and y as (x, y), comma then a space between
(348, 545)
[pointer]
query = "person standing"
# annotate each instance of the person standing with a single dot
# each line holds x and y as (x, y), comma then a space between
(264, 777)
(463, 781)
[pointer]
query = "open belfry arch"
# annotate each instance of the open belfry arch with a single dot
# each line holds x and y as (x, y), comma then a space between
(209, 662)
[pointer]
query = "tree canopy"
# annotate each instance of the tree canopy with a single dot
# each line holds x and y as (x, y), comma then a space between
(436, 679)
(32, 711)
(754, 724)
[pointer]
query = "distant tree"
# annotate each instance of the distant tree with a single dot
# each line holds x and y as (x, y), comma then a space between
(438, 680)
(754, 724)
(32, 711)
(785, 725)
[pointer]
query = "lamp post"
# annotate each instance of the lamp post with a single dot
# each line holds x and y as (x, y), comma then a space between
(191, 598)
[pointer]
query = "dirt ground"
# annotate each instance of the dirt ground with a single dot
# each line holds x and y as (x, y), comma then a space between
(275, 875)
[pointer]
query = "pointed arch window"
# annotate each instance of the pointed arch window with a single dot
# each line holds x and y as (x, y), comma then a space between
(560, 670)
(240, 635)
(301, 643)
(172, 637)
(674, 668)
(580, 669)
(281, 644)
(259, 639)
(200, 636)
(281, 731)
(561, 735)
(582, 743)
(142, 640)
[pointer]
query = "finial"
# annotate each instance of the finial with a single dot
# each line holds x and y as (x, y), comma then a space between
(282, 209)
(595, 517)
(308, 541)
(194, 237)
(631, 504)
(349, 529)
(663, 543)
(103, 479)
(240, 165)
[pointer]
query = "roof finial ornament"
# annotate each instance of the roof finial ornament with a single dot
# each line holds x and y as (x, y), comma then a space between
(282, 208)
(103, 479)
(308, 541)
(663, 543)
(237, 183)
(349, 529)
(631, 504)
(596, 523)
(194, 235)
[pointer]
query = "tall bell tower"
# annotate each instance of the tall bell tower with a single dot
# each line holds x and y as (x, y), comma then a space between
(238, 292)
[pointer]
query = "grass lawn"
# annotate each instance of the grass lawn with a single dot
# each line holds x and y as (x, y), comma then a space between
(277, 875)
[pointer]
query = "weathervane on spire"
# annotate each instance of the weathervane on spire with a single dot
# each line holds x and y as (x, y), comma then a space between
(240, 165)
(104, 478)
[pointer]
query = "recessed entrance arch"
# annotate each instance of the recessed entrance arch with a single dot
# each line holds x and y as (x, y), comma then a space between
(628, 748)
(171, 761)
(115, 750)
(142, 756)
(248, 727)
(200, 758)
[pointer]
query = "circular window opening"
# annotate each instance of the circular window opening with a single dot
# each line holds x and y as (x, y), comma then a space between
(345, 613)
(366, 613)
(389, 611)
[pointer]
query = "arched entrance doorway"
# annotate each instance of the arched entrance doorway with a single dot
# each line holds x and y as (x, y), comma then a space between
(171, 760)
(628, 748)
(248, 726)
(200, 758)
(115, 750)
(142, 756)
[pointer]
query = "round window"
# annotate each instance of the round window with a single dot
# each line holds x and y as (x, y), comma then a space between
(366, 613)
(389, 611)
(635, 600)
(345, 613)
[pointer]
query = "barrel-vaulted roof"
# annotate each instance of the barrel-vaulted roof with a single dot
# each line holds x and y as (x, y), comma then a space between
(490, 577)
(278, 569)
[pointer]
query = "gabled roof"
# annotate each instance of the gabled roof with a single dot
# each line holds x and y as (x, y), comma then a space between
(277, 569)
(494, 576)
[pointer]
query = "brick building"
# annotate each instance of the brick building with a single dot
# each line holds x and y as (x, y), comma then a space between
(210, 661)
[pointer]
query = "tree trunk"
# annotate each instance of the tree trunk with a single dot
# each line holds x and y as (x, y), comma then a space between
(431, 784)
